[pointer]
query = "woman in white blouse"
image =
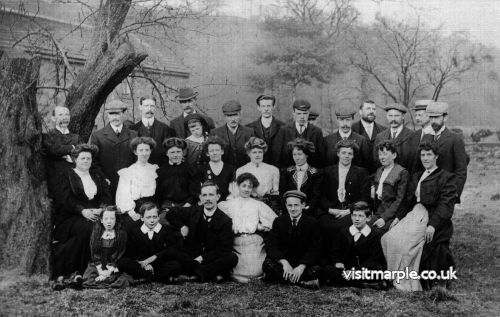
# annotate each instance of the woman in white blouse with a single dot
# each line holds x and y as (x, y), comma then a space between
(137, 182)
(267, 175)
(250, 217)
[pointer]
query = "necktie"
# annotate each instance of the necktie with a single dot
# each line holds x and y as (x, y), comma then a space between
(436, 137)
(117, 132)
(294, 223)
(357, 235)
(301, 129)
(393, 135)
(207, 218)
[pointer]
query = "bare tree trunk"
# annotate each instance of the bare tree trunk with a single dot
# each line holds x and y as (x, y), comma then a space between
(25, 216)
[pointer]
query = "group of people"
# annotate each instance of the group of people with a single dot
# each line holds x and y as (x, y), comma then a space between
(273, 201)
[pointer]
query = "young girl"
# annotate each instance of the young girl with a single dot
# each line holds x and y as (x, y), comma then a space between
(198, 127)
(107, 245)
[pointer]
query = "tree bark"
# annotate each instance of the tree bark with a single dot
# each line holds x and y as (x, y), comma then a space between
(25, 216)
(95, 82)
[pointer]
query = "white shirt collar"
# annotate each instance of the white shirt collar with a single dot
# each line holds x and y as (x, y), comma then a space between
(431, 170)
(148, 121)
(367, 125)
(297, 126)
(298, 219)
(344, 168)
(66, 131)
(345, 135)
(398, 130)
(303, 167)
(185, 114)
(209, 213)
(266, 122)
(365, 231)
(438, 132)
(233, 131)
(150, 232)
(119, 128)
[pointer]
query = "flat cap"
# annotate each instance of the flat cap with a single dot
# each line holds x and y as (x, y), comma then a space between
(266, 95)
(395, 106)
(231, 107)
(186, 93)
(295, 193)
(301, 104)
(437, 108)
(421, 104)
(313, 115)
(345, 111)
(115, 105)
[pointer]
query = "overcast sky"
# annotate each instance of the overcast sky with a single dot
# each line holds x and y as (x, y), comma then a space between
(481, 18)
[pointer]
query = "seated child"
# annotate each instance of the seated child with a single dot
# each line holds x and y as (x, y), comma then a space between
(107, 245)
(151, 248)
(355, 247)
(293, 249)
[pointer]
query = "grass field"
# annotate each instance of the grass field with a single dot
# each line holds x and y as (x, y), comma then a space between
(476, 246)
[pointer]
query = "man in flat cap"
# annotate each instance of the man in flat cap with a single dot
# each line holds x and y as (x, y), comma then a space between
(293, 248)
(113, 142)
(187, 99)
(150, 126)
(452, 156)
(301, 128)
(234, 134)
(313, 117)
(400, 135)
(268, 128)
(58, 144)
(367, 126)
(362, 155)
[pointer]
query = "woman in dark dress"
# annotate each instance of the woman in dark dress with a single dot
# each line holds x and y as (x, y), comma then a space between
(177, 184)
(216, 170)
(302, 176)
(80, 197)
(198, 127)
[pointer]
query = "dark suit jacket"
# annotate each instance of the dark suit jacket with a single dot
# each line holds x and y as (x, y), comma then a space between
(114, 152)
(234, 155)
(166, 241)
(279, 244)
(360, 129)
(452, 157)
(70, 196)
(178, 125)
(274, 143)
(404, 146)
(312, 134)
(366, 252)
(311, 185)
(438, 194)
(220, 232)
(393, 193)
(159, 131)
(362, 157)
(357, 187)
(55, 146)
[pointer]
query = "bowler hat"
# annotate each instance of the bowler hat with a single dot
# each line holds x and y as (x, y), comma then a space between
(186, 93)
(231, 107)
(396, 106)
(115, 106)
(437, 108)
(301, 104)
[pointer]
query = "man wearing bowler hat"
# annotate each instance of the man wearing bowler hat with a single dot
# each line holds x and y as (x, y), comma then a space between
(113, 142)
(362, 155)
(267, 128)
(187, 99)
(234, 134)
(400, 135)
(301, 128)
(422, 119)
(452, 156)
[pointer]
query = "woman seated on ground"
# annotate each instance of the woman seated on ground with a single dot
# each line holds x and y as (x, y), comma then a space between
(267, 175)
(137, 182)
(107, 246)
(177, 184)
(420, 239)
(389, 188)
(216, 170)
(80, 196)
(198, 127)
(249, 216)
(302, 176)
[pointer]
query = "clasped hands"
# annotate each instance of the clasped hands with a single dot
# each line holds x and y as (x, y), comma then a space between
(292, 274)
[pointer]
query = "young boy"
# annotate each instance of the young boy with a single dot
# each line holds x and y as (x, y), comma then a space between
(151, 248)
(356, 247)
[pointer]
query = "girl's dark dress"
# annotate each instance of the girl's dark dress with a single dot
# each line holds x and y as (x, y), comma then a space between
(177, 185)
(222, 180)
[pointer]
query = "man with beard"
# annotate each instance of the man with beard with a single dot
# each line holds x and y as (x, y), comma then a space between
(234, 134)
(301, 128)
(58, 144)
(187, 99)
(267, 128)
(113, 142)
(367, 126)
(362, 154)
(452, 156)
(400, 135)
(151, 127)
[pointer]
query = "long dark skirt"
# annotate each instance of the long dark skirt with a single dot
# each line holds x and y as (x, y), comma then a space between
(115, 280)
